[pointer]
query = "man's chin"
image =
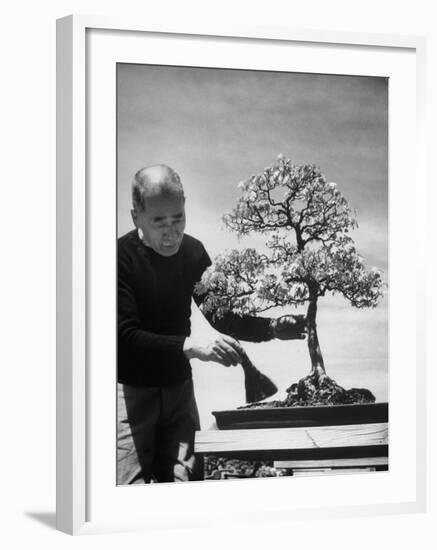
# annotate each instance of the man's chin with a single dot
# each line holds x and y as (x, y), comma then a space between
(168, 250)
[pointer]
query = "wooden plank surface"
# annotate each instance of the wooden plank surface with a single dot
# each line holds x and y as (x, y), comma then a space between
(329, 472)
(359, 435)
(306, 454)
(333, 463)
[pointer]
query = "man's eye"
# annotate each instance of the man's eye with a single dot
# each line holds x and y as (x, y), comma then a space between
(163, 224)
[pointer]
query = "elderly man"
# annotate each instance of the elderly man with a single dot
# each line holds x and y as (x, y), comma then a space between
(158, 267)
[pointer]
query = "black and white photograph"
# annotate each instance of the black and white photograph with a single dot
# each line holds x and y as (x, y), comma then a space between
(252, 274)
(219, 269)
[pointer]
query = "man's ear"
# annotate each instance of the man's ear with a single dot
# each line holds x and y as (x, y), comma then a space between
(134, 215)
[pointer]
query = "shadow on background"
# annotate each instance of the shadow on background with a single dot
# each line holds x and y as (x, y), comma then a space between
(46, 518)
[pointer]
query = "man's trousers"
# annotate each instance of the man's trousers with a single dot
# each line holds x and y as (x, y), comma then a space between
(155, 434)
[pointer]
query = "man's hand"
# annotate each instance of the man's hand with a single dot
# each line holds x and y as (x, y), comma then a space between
(289, 327)
(216, 347)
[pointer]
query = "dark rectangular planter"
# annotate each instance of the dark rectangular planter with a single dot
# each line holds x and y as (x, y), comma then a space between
(289, 417)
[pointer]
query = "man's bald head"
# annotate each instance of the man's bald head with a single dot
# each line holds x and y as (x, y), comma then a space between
(153, 181)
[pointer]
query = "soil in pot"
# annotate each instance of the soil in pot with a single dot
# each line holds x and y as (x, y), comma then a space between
(317, 389)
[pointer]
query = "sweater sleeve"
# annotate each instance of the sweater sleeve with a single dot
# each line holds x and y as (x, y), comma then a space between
(245, 327)
(251, 329)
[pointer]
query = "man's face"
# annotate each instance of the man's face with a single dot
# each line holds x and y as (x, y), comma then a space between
(162, 223)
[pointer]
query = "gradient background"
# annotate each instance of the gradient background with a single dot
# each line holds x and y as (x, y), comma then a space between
(216, 127)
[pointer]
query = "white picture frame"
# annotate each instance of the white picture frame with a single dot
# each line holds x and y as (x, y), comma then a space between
(75, 397)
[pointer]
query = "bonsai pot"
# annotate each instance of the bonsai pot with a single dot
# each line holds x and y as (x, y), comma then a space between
(289, 417)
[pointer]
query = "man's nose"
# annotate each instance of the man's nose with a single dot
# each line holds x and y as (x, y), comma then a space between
(169, 230)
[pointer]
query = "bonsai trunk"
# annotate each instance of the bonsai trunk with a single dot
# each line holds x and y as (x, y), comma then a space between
(317, 388)
(317, 365)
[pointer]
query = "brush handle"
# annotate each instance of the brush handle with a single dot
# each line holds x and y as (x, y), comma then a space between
(246, 363)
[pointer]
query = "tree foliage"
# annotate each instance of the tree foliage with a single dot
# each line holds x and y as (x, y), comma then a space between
(307, 222)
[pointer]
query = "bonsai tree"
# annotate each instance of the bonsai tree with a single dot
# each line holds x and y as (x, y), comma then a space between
(308, 252)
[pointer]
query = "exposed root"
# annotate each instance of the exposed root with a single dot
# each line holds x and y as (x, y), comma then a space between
(318, 389)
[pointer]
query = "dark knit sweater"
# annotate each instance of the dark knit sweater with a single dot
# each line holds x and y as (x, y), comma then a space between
(154, 308)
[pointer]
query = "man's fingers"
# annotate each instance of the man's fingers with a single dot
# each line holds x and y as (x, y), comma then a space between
(229, 340)
(301, 321)
(226, 352)
(231, 353)
(234, 345)
(221, 357)
(294, 323)
(298, 319)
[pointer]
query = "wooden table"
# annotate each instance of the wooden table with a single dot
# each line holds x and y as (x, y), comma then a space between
(303, 448)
